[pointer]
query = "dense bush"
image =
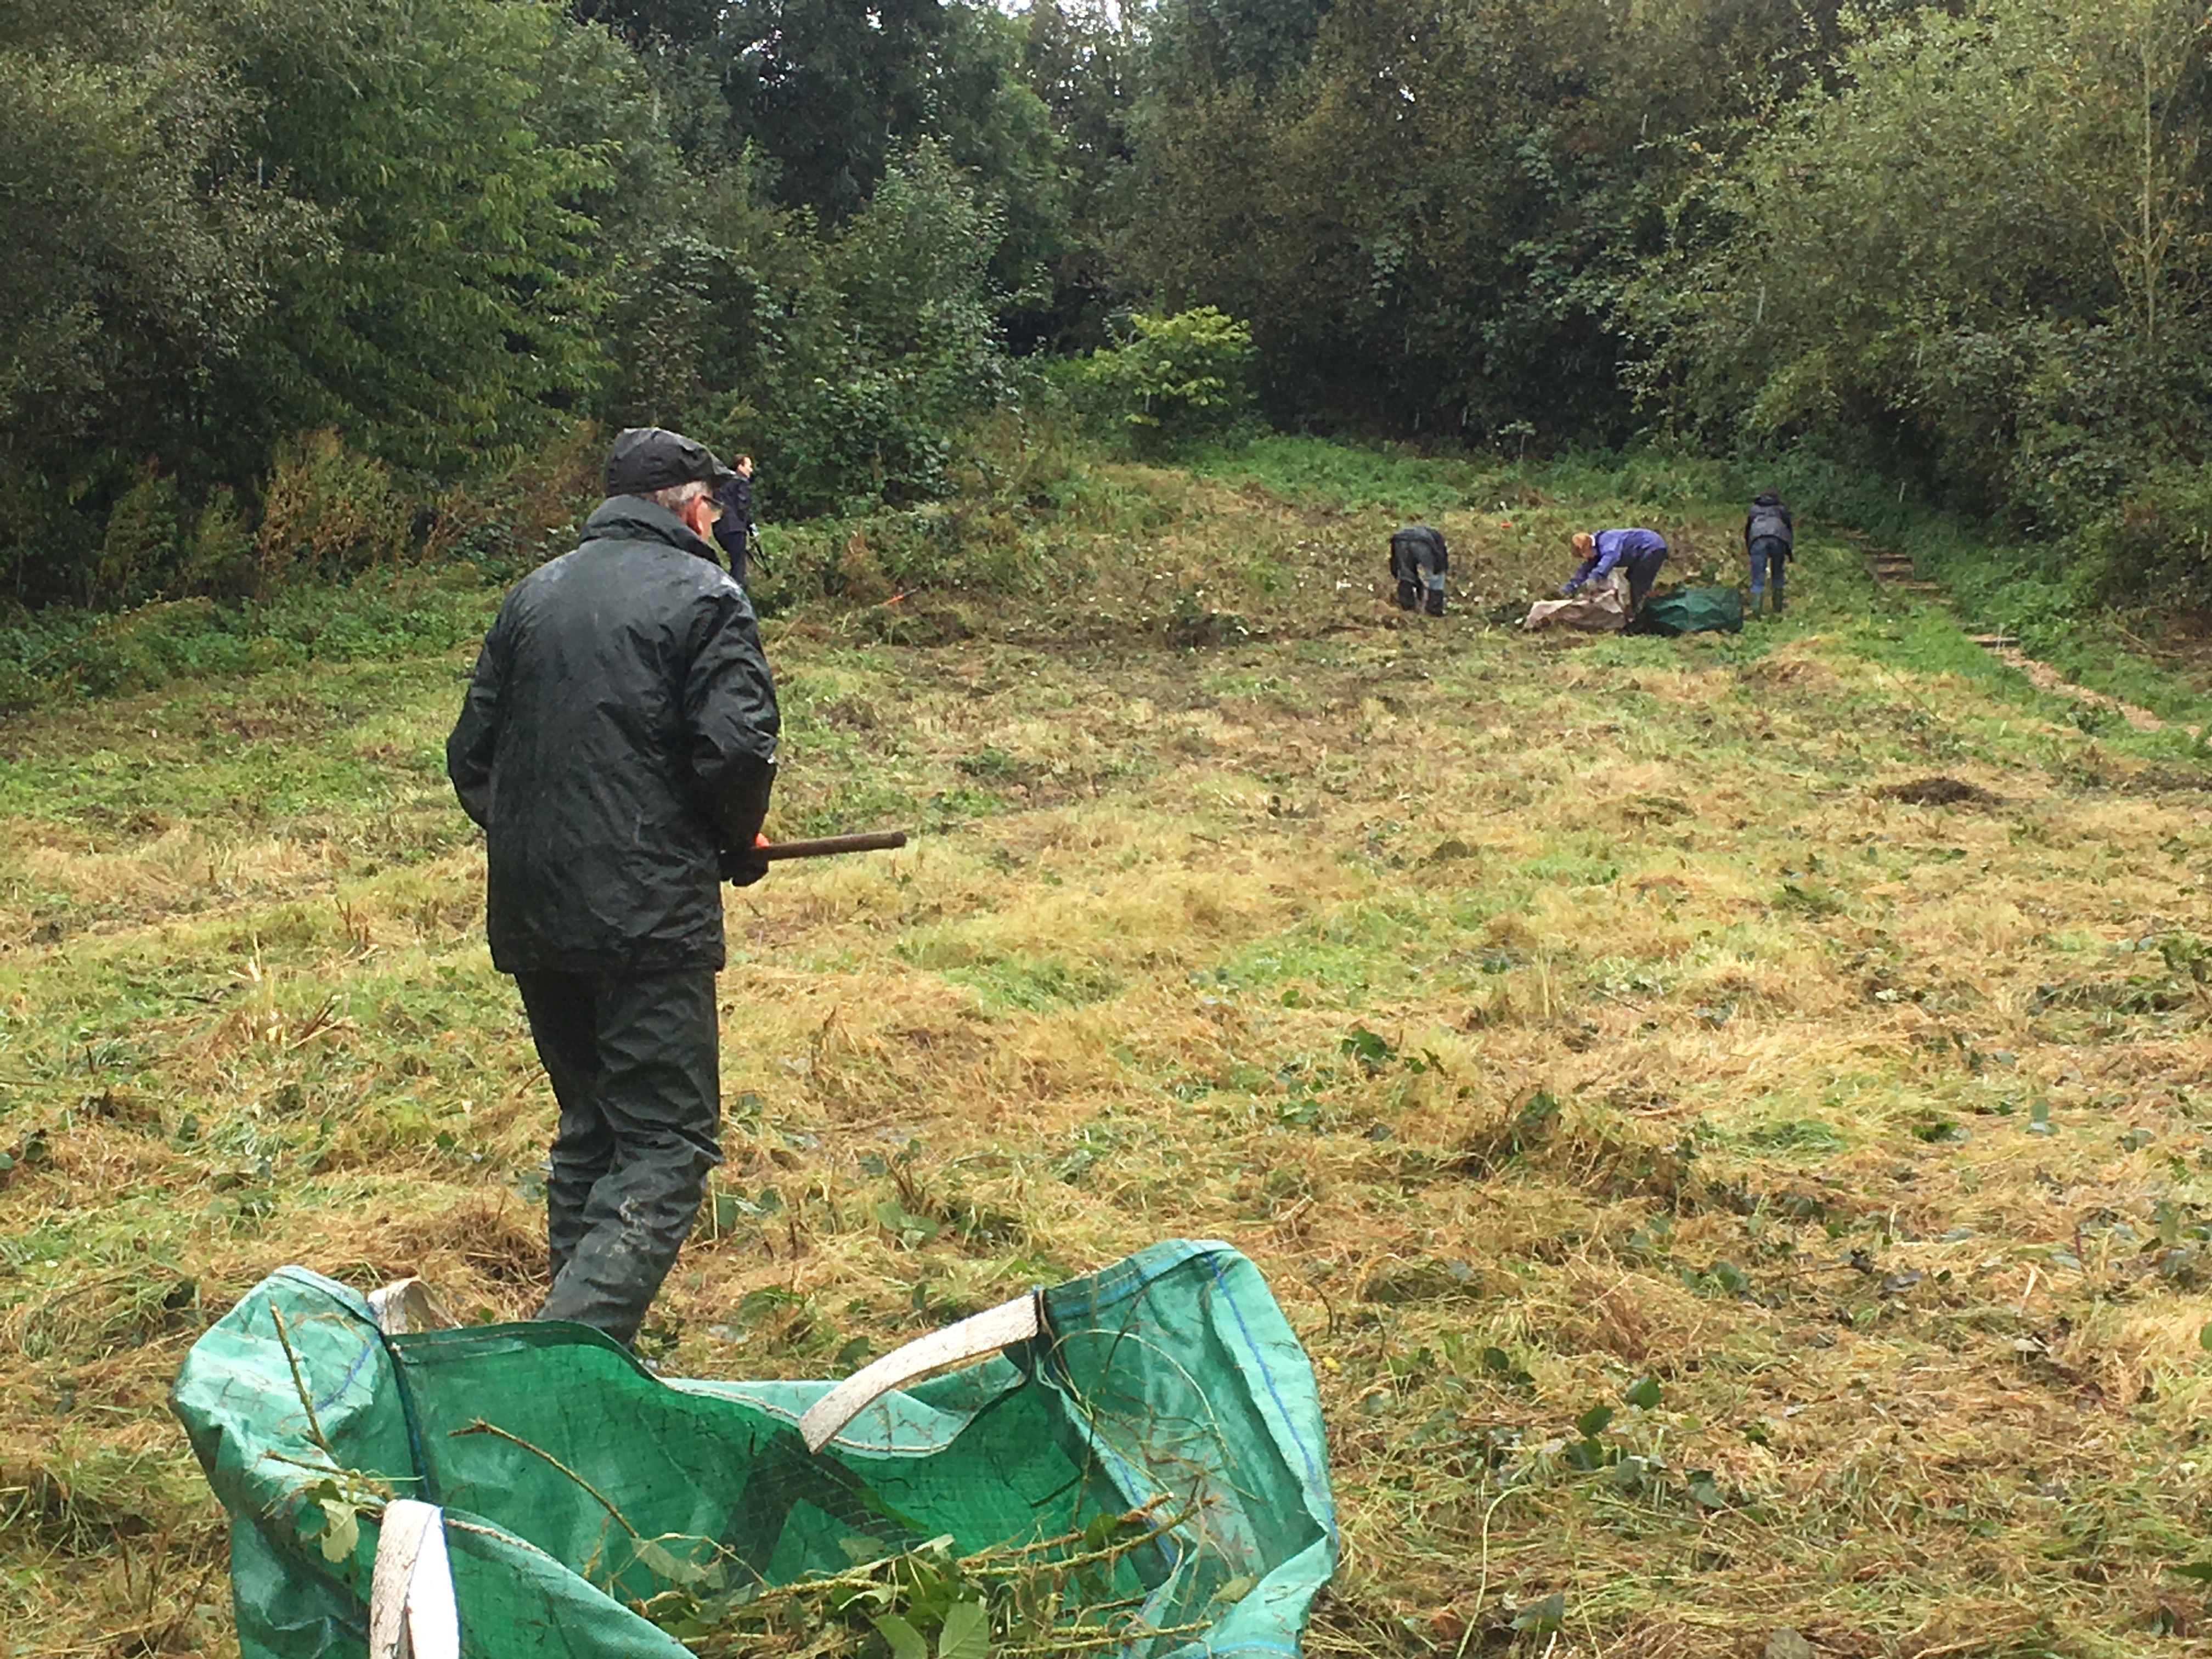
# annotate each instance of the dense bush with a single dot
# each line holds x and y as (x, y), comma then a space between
(2153, 542)
(1174, 379)
(890, 350)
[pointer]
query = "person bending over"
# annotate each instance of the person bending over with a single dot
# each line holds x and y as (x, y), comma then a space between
(1418, 564)
(1769, 535)
(1636, 553)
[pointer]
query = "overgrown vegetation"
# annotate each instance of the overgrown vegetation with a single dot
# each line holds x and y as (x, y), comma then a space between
(396, 248)
(1174, 380)
(1975, 262)
(1724, 1116)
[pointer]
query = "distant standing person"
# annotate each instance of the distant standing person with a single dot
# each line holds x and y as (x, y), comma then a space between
(1638, 553)
(1770, 537)
(1418, 562)
(734, 529)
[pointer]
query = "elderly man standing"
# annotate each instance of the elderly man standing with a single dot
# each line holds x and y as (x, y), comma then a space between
(618, 746)
(734, 497)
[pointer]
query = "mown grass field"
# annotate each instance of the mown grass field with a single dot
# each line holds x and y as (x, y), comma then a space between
(1561, 1025)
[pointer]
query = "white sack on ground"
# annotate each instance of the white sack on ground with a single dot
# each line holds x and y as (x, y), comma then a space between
(1603, 607)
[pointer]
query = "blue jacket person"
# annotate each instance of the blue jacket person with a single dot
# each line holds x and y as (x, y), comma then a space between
(1638, 553)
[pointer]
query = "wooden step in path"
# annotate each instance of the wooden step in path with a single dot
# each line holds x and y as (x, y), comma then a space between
(1893, 573)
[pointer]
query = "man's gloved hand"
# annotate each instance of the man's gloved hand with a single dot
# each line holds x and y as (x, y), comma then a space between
(743, 867)
(1570, 588)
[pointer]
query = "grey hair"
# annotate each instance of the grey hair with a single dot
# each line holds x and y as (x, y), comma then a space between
(677, 497)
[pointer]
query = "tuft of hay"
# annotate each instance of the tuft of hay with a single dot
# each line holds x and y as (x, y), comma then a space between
(1939, 792)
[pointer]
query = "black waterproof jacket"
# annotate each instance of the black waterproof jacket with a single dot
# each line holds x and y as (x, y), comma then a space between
(617, 741)
(734, 529)
(1407, 546)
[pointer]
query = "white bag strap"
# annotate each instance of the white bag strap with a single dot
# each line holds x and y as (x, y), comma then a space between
(971, 1338)
(411, 1611)
(405, 1306)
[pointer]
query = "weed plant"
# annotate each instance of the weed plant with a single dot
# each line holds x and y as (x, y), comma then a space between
(1732, 1198)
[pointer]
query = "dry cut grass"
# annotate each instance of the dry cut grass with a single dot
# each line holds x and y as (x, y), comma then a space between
(1560, 1025)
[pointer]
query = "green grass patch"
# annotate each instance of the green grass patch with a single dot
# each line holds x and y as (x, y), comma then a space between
(1724, 1180)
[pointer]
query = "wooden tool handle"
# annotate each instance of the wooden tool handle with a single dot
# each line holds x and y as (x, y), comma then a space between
(822, 846)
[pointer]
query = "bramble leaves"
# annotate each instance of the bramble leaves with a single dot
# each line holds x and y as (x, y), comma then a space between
(1370, 1049)
(340, 1530)
(906, 1642)
(1542, 1618)
(966, 1632)
(1499, 1366)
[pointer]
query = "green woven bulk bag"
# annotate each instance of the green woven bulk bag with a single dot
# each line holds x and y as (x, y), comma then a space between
(1691, 611)
(1169, 1387)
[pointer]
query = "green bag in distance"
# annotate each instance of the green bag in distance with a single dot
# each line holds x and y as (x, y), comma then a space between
(1691, 611)
(1168, 1384)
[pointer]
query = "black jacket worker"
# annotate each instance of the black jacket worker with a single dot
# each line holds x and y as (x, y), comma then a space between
(618, 745)
(1418, 564)
(734, 528)
(1770, 533)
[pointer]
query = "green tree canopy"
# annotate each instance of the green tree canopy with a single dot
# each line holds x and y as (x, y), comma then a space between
(834, 95)
(1979, 258)
(457, 311)
(139, 233)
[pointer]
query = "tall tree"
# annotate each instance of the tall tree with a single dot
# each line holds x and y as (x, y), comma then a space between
(834, 95)
(1083, 58)
(830, 90)
(1432, 223)
(1980, 259)
(140, 229)
(653, 25)
(1205, 43)
(457, 314)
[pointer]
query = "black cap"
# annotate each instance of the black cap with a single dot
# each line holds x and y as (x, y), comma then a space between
(649, 458)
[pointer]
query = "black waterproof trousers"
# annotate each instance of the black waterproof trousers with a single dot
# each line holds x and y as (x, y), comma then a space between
(634, 1064)
(1643, 571)
(1417, 564)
